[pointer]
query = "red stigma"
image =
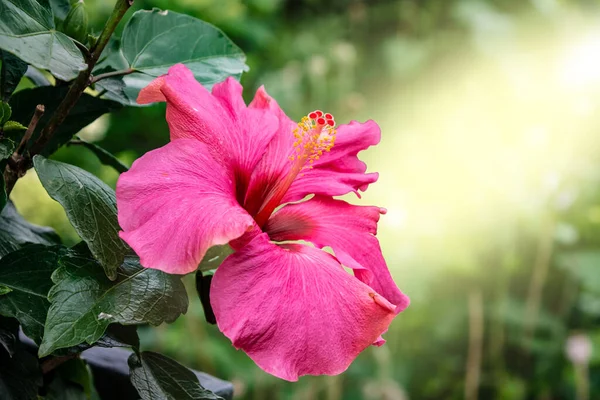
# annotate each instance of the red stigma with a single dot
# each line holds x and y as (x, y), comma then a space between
(312, 115)
(328, 116)
(319, 113)
(321, 121)
(330, 122)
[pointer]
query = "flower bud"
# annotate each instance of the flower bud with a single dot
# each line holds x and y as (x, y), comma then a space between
(76, 23)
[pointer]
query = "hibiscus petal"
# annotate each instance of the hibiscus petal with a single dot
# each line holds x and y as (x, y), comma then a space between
(176, 202)
(275, 162)
(235, 133)
(339, 171)
(294, 310)
(349, 230)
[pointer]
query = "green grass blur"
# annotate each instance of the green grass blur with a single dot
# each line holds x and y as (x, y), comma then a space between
(489, 167)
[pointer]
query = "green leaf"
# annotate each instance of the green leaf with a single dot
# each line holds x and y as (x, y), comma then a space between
(85, 302)
(27, 30)
(5, 112)
(90, 206)
(3, 194)
(13, 126)
(120, 336)
(115, 336)
(20, 376)
(73, 380)
(87, 109)
(214, 257)
(147, 46)
(104, 156)
(157, 377)
(4, 290)
(27, 272)
(37, 77)
(115, 88)
(60, 8)
(64, 389)
(112, 58)
(16, 232)
(13, 69)
(7, 147)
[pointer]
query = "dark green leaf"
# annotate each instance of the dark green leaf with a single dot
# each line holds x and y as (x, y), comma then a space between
(85, 302)
(63, 389)
(27, 272)
(90, 206)
(15, 232)
(7, 147)
(9, 334)
(3, 194)
(104, 156)
(73, 380)
(157, 377)
(203, 289)
(120, 336)
(13, 69)
(27, 30)
(115, 336)
(5, 112)
(20, 376)
(86, 111)
(147, 47)
(4, 290)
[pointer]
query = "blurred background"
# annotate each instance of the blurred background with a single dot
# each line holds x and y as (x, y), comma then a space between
(489, 166)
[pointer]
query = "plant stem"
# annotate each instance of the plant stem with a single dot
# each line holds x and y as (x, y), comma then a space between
(75, 91)
(83, 79)
(582, 381)
(111, 74)
(16, 164)
(53, 362)
(539, 274)
(474, 356)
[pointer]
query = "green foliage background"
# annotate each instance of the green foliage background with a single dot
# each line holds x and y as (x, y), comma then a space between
(488, 165)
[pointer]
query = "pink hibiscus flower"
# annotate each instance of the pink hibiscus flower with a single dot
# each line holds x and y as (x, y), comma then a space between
(290, 306)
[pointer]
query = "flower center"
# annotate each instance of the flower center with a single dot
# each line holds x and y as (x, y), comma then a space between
(314, 135)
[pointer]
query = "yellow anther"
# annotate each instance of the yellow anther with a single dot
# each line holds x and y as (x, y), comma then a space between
(314, 135)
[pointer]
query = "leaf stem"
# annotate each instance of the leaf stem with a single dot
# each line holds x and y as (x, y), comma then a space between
(111, 74)
(37, 114)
